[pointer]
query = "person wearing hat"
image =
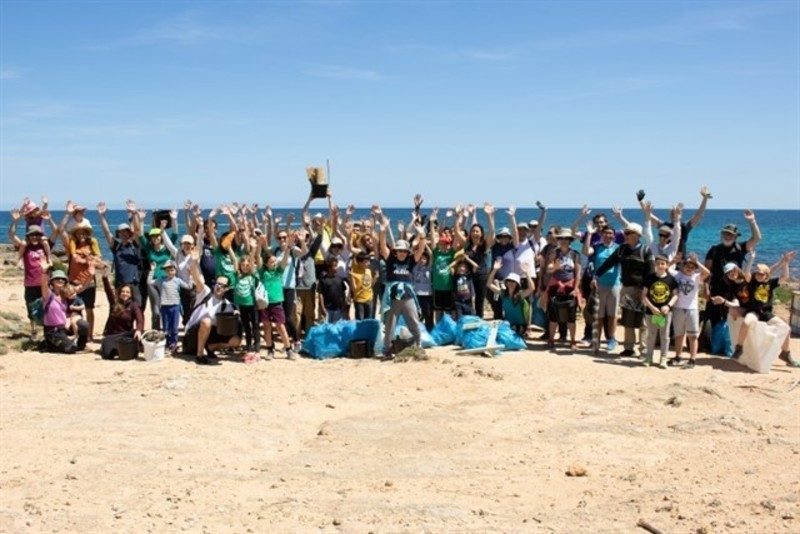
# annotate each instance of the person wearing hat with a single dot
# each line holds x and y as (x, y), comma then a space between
(669, 237)
(728, 250)
(685, 314)
(513, 298)
(502, 248)
(605, 289)
(31, 251)
(55, 314)
(636, 262)
(686, 227)
(761, 289)
(126, 253)
(169, 298)
(183, 263)
(83, 252)
(564, 268)
(156, 254)
(441, 275)
(399, 298)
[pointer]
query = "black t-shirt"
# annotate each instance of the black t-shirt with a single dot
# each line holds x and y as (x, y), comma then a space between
(478, 255)
(761, 295)
(719, 255)
(464, 287)
(400, 271)
(332, 289)
(659, 289)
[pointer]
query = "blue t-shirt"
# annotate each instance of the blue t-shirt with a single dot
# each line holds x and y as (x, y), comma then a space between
(127, 259)
(601, 252)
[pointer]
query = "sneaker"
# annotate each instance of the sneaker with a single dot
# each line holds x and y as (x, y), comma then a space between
(627, 353)
(290, 354)
(585, 343)
(786, 356)
(205, 360)
(296, 346)
(386, 357)
(737, 352)
(647, 362)
(675, 362)
(270, 354)
(612, 345)
(663, 363)
(689, 364)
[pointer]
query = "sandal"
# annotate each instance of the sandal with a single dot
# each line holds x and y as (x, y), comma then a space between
(675, 362)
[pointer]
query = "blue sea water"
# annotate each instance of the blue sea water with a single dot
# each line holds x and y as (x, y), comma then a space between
(780, 228)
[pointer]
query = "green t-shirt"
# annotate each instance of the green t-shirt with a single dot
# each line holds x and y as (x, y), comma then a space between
(244, 288)
(273, 284)
(223, 264)
(442, 278)
(516, 312)
(159, 257)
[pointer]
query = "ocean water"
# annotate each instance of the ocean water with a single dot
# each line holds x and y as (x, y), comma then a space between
(780, 229)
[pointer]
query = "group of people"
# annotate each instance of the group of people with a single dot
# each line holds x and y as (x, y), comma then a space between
(281, 278)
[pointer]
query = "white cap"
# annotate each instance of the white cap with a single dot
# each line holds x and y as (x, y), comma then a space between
(401, 244)
(514, 277)
(634, 227)
(187, 239)
(337, 241)
(504, 231)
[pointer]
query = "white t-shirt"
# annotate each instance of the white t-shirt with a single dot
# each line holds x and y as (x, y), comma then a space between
(688, 287)
(210, 309)
(525, 256)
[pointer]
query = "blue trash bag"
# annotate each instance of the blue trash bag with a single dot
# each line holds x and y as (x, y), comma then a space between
(510, 339)
(425, 338)
(538, 315)
(444, 332)
(463, 322)
(721, 339)
(476, 338)
(323, 341)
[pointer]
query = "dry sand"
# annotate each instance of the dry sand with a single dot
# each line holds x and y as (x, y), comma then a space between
(451, 444)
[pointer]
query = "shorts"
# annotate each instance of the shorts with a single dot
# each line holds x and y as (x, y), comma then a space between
(553, 309)
(608, 298)
(273, 313)
(189, 343)
(443, 300)
(464, 307)
(685, 322)
(31, 294)
(88, 297)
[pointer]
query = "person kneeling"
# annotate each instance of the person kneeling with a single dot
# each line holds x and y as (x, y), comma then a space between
(201, 338)
(57, 316)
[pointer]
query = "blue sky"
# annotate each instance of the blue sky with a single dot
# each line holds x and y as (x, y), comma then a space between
(568, 102)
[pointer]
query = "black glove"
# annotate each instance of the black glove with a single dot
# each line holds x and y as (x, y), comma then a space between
(640, 195)
(540, 205)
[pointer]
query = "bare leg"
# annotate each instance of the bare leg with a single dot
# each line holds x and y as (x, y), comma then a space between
(571, 327)
(203, 332)
(679, 345)
(692, 347)
(267, 334)
(551, 332)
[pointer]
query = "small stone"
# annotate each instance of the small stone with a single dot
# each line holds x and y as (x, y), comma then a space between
(388, 483)
(331, 406)
(787, 516)
(674, 401)
(337, 522)
(769, 505)
(577, 470)
(324, 430)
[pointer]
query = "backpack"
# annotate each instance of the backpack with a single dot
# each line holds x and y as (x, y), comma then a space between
(38, 309)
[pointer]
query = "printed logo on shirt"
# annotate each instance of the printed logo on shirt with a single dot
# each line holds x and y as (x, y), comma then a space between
(659, 292)
(686, 286)
(761, 293)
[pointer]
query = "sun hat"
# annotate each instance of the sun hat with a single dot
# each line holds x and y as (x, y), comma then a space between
(730, 266)
(319, 215)
(34, 229)
(661, 257)
(523, 225)
(664, 229)
(154, 231)
(29, 208)
(58, 274)
(122, 227)
(79, 208)
(504, 231)
(691, 260)
(565, 233)
(83, 225)
(635, 228)
(512, 277)
(533, 223)
(730, 228)
(401, 244)
(169, 264)
(187, 239)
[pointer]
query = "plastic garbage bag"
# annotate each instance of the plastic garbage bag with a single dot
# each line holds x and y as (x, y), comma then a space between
(510, 339)
(444, 332)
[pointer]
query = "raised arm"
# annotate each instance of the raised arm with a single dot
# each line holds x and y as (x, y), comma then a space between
(587, 249)
(382, 246)
(488, 209)
(784, 262)
(12, 229)
(582, 215)
(512, 221)
(677, 215)
(617, 212)
(647, 210)
(755, 231)
(701, 210)
(101, 212)
(458, 236)
(537, 232)
(169, 244)
(492, 284)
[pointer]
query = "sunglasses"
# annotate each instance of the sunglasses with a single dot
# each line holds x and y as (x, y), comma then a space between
(222, 286)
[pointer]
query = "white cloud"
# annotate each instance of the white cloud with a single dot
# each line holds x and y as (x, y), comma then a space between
(338, 72)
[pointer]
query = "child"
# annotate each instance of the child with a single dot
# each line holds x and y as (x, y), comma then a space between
(421, 274)
(332, 292)
(659, 295)
(362, 280)
(686, 315)
(55, 313)
(244, 297)
(169, 295)
(514, 300)
(761, 288)
(271, 274)
(462, 269)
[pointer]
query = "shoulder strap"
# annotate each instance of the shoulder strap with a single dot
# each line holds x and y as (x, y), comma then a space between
(201, 303)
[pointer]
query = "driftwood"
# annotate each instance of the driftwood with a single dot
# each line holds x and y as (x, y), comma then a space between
(648, 527)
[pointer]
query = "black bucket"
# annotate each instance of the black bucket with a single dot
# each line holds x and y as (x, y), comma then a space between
(319, 190)
(161, 215)
(360, 348)
(227, 324)
(127, 348)
(632, 318)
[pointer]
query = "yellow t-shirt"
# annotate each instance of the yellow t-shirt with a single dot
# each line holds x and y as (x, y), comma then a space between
(362, 283)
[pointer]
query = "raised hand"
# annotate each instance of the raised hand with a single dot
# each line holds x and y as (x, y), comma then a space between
(418, 200)
(101, 209)
(130, 205)
(488, 209)
(647, 208)
(789, 256)
(692, 257)
(187, 205)
(70, 207)
(677, 210)
(15, 215)
(540, 205)
(590, 228)
(195, 254)
(351, 209)
(306, 218)
(704, 192)
(173, 214)
(268, 211)
(470, 209)
(401, 227)
(44, 202)
(585, 211)
(448, 213)
(617, 211)
(511, 211)
(434, 214)
(749, 216)
(290, 218)
(498, 263)
(142, 214)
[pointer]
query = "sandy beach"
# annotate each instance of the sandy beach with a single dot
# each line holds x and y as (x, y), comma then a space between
(526, 442)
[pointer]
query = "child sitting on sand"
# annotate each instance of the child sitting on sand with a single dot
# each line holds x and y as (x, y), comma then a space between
(514, 300)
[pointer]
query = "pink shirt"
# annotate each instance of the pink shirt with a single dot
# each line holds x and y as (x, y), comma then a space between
(55, 313)
(33, 270)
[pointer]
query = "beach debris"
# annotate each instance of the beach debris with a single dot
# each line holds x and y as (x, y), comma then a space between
(154, 336)
(337, 522)
(179, 382)
(648, 527)
(325, 429)
(331, 406)
(674, 401)
(769, 505)
(577, 470)
(412, 353)
(489, 374)
(388, 483)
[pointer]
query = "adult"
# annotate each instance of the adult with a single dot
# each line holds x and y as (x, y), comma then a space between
(155, 253)
(689, 225)
(477, 249)
(398, 297)
(728, 250)
(307, 282)
(125, 321)
(201, 338)
(31, 251)
(294, 246)
(502, 249)
(60, 335)
(636, 262)
(605, 288)
(126, 253)
(668, 236)
(564, 267)
(83, 252)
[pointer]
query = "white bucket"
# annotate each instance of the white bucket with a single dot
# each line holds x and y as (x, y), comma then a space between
(154, 351)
